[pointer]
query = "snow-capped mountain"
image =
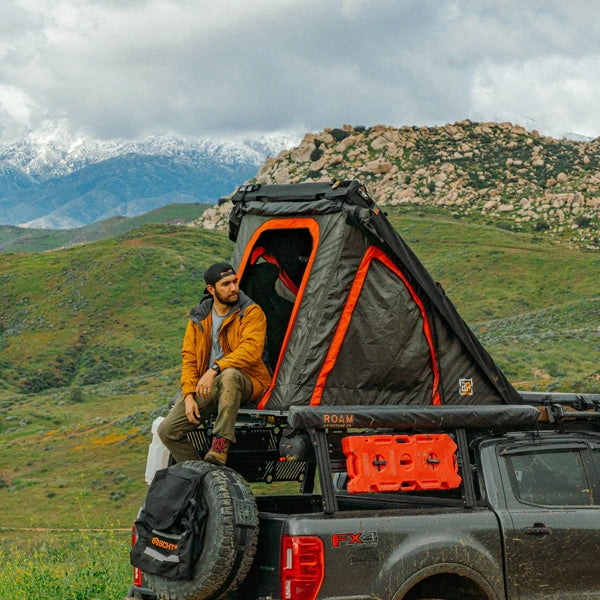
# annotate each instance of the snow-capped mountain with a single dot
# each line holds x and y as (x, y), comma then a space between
(53, 179)
(577, 137)
(53, 151)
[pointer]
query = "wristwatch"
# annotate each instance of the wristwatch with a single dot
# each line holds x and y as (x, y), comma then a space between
(215, 367)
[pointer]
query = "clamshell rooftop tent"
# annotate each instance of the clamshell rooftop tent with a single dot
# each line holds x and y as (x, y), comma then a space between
(353, 316)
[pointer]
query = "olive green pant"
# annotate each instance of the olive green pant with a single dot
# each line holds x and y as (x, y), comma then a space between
(230, 389)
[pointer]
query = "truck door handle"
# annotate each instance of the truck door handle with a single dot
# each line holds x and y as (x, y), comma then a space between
(538, 529)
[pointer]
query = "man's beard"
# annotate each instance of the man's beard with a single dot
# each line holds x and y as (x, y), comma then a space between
(227, 300)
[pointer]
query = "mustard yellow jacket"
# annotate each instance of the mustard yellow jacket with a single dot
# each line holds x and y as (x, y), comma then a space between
(242, 337)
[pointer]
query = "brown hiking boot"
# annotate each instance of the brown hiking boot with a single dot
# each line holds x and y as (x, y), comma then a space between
(217, 455)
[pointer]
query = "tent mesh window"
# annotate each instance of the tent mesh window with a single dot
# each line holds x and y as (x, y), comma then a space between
(273, 277)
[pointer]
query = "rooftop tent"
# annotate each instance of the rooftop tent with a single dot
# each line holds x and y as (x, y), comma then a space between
(353, 317)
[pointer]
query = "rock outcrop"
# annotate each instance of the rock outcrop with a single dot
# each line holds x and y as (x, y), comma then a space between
(517, 178)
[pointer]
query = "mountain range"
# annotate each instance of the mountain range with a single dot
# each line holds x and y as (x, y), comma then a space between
(52, 179)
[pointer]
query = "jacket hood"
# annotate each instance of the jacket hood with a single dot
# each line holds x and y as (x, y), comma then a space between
(200, 312)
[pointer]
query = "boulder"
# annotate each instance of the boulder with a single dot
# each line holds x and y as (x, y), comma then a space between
(317, 165)
(345, 144)
(503, 208)
(282, 175)
(326, 138)
(377, 130)
(302, 153)
(380, 142)
(377, 166)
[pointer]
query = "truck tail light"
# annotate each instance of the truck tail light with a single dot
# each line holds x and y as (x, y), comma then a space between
(302, 567)
(137, 574)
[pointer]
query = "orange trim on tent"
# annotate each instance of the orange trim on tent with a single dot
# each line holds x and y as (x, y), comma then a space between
(371, 254)
(294, 223)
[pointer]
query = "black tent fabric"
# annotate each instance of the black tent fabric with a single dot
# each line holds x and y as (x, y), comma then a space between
(354, 318)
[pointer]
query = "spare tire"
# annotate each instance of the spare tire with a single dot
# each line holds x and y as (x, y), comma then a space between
(230, 538)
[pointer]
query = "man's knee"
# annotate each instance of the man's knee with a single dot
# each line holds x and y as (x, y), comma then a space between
(162, 429)
(167, 433)
(234, 382)
(231, 377)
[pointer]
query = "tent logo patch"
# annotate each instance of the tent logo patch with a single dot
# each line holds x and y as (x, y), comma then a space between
(465, 387)
(338, 420)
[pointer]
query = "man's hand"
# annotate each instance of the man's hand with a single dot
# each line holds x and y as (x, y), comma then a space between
(192, 412)
(204, 386)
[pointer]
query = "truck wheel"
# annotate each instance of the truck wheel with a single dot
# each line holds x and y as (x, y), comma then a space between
(230, 538)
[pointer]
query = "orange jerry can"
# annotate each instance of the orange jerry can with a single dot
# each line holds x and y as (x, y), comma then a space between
(391, 463)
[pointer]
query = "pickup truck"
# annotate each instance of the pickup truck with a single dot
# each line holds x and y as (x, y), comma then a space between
(514, 514)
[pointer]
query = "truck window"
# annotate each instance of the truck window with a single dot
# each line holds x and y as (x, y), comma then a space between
(550, 478)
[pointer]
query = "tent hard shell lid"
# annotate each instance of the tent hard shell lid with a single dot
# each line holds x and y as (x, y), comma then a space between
(353, 317)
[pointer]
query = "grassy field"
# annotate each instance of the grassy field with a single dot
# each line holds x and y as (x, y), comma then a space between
(54, 565)
(75, 463)
(89, 354)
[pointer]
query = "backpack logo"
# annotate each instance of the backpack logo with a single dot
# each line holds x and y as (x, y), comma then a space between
(162, 544)
(465, 387)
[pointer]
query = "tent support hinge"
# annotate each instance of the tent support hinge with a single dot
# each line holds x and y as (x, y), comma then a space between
(318, 438)
(466, 470)
(308, 483)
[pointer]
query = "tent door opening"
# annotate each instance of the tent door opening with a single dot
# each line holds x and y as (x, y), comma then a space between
(273, 276)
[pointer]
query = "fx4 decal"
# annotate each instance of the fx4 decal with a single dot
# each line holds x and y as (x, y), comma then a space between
(347, 539)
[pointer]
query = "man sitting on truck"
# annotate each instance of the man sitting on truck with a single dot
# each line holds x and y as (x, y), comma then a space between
(222, 366)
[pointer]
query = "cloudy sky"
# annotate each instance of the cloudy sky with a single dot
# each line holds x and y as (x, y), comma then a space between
(221, 68)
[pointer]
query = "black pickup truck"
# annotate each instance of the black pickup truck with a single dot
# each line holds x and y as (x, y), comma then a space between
(497, 502)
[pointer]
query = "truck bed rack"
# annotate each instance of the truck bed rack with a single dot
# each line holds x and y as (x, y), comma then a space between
(287, 445)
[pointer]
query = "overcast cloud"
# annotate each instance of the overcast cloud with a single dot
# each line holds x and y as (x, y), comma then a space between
(196, 68)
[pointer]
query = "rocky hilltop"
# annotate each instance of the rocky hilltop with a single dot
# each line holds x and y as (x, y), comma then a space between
(516, 178)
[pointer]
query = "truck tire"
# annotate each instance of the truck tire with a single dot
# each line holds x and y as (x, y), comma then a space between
(230, 538)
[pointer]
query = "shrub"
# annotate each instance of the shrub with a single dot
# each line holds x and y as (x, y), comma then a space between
(316, 154)
(582, 221)
(506, 225)
(76, 394)
(339, 134)
(39, 381)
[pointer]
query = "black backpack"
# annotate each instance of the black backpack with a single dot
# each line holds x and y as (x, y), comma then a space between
(171, 523)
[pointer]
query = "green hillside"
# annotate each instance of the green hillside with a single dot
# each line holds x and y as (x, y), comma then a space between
(19, 239)
(100, 311)
(90, 339)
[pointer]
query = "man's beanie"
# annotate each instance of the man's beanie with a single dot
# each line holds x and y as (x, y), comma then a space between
(217, 272)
